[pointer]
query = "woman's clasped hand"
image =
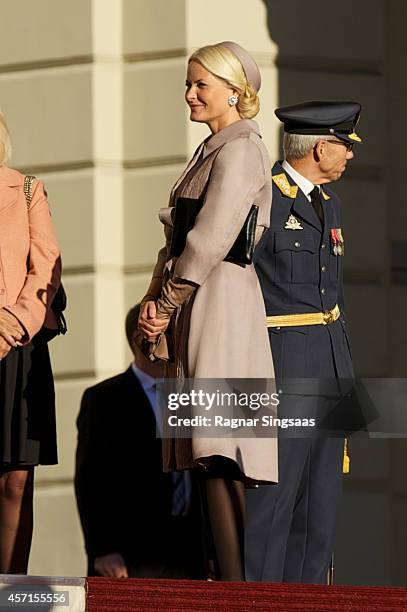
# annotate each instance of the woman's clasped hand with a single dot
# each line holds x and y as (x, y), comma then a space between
(149, 323)
(11, 333)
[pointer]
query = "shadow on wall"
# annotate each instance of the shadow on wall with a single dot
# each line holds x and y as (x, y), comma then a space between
(337, 51)
(325, 53)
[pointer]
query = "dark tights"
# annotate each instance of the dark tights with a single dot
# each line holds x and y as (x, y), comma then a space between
(16, 519)
(225, 501)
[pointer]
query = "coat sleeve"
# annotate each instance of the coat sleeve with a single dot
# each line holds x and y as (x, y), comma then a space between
(236, 176)
(155, 286)
(160, 263)
(44, 267)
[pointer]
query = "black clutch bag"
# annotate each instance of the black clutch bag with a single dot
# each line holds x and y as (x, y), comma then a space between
(186, 212)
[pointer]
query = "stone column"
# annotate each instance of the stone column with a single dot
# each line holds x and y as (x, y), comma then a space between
(61, 90)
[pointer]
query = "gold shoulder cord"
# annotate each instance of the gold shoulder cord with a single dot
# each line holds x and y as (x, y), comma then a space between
(346, 458)
(28, 183)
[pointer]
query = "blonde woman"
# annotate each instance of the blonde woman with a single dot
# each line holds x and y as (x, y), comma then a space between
(29, 278)
(215, 307)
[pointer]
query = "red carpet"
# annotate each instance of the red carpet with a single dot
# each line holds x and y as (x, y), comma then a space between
(133, 595)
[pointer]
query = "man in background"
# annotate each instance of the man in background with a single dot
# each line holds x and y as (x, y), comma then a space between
(136, 520)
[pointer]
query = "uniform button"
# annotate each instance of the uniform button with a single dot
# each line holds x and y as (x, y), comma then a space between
(323, 246)
(297, 244)
(323, 291)
(323, 269)
(278, 327)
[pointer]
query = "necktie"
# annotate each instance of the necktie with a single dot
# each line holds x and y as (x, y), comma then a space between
(317, 203)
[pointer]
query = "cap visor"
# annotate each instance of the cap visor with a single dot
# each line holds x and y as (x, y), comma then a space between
(349, 138)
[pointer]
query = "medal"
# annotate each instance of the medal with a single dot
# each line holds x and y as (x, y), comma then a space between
(338, 245)
(341, 242)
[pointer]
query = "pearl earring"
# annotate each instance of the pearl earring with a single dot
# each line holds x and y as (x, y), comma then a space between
(233, 100)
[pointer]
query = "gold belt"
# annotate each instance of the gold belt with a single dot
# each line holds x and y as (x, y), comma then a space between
(312, 318)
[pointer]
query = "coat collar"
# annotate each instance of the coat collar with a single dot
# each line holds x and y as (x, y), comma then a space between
(210, 144)
(243, 127)
(300, 204)
(9, 180)
(303, 183)
(286, 183)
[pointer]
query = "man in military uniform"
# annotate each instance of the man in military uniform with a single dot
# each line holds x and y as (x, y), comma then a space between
(290, 526)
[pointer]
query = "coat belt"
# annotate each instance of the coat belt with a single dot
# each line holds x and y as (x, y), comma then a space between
(312, 318)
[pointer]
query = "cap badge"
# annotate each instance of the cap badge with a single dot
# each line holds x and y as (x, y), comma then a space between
(292, 223)
(354, 137)
(290, 191)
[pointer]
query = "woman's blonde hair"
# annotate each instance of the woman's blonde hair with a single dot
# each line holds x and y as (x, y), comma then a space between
(223, 63)
(5, 142)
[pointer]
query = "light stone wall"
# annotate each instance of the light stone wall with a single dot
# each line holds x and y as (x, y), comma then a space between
(61, 80)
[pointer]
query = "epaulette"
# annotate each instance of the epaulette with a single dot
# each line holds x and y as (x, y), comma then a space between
(325, 195)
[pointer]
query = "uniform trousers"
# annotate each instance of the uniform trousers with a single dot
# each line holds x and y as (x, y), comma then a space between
(289, 532)
(290, 527)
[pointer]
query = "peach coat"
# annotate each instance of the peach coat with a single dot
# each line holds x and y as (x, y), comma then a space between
(227, 334)
(29, 255)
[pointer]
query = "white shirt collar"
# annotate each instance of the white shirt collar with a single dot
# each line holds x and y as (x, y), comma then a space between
(146, 380)
(303, 183)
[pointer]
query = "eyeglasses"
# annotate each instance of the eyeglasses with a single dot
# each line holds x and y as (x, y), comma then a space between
(348, 145)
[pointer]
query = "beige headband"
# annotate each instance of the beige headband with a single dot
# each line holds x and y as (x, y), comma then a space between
(250, 67)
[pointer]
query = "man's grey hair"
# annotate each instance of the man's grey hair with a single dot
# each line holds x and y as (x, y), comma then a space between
(297, 146)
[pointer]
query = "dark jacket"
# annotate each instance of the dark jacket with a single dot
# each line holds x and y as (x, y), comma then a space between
(123, 496)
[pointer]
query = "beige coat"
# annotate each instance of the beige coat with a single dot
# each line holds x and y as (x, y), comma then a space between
(227, 335)
(27, 238)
